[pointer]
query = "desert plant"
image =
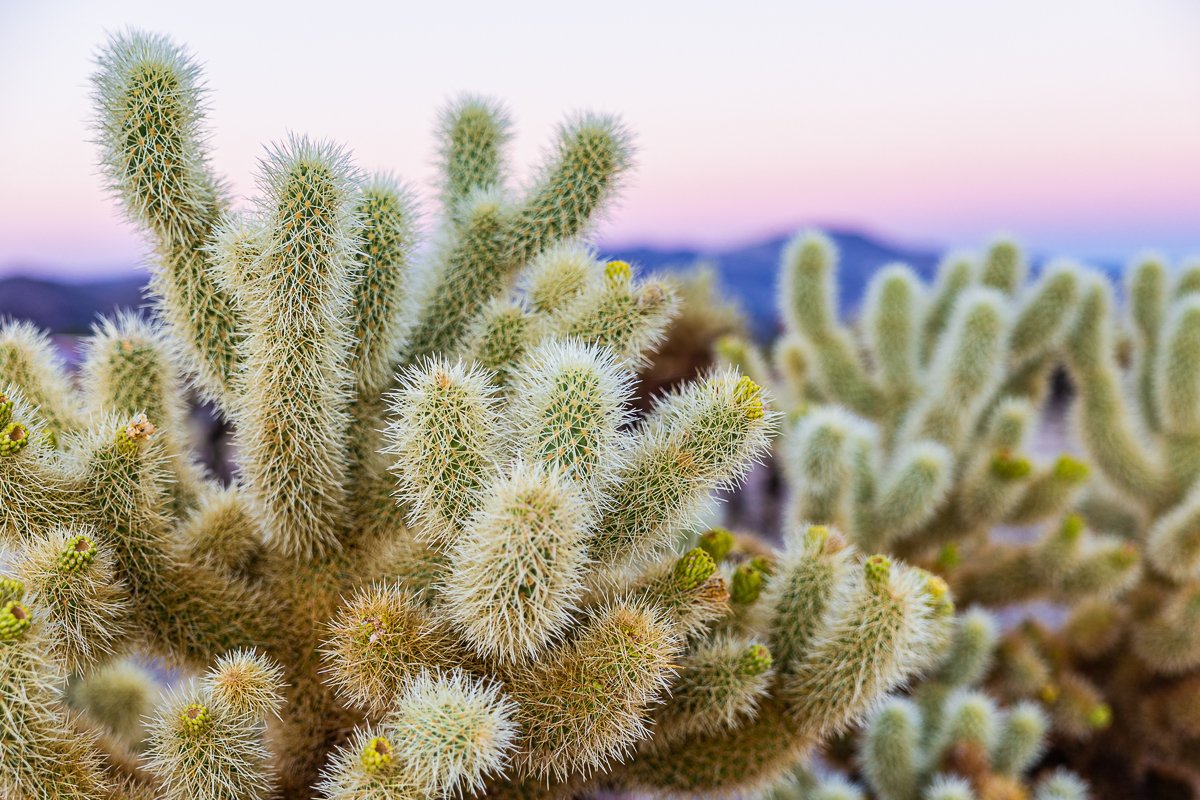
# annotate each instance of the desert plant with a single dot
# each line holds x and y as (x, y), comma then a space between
(1136, 416)
(450, 563)
(910, 430)
(948, 739)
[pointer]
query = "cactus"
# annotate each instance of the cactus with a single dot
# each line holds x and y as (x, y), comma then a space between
(451, 562)
(909, 431)
(949, 738)
(1123, 668)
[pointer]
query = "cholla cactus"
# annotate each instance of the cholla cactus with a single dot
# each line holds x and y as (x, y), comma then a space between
(1136, 417)
(949, 738)
(910, 431)
(450, 563)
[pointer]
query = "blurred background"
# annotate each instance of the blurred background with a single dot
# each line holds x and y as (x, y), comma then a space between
(904, 129)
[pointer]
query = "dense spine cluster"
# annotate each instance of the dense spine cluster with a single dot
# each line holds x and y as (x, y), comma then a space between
(452, 561)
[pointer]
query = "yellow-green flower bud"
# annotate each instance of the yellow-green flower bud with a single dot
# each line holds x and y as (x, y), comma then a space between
(618, 273)
(749, 394)
(196, 718)
(376, 755)
(878, 570)
(77, 555)
(1071, 469)
(717, 542)
(755, 661)
(694, 569)
(13, 438)
(14, 620)
(747, 584)
(1009, 467)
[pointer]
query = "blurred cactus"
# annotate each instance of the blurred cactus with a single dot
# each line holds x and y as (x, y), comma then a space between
(910, 430)
(949, 738)
(528, 615)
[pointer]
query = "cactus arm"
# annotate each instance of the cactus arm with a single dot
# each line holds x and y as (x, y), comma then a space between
(150, 103)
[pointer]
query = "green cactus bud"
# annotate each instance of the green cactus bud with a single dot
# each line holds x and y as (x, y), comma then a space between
(694, 568)
(13, 439)
(717, 542)
(78, 555)
(755, 661)
(1071, 469)
(377, 755)
(14, 620)
(747, 584)
(195, 719)
(1008, 467)
(878, 570)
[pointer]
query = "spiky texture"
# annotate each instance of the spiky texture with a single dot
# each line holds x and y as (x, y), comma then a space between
(499, 604)
(949, 738)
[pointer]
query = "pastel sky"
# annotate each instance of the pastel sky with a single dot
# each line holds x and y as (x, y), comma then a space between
(1073, 124)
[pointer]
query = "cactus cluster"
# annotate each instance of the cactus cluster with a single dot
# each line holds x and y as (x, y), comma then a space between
(1135, 373)
(911, 429)
(949, 739)
(914, 430)
(451, 562)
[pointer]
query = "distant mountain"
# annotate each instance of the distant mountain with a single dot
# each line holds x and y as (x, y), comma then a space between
(69, 307)
(749, 274)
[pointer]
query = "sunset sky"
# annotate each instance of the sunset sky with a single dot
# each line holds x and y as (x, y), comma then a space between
(1072, 124)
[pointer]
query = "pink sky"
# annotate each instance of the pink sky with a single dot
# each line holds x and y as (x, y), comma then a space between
(1074, 125)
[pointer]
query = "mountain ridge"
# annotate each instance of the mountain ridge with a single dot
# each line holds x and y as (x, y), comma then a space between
(748, 273)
